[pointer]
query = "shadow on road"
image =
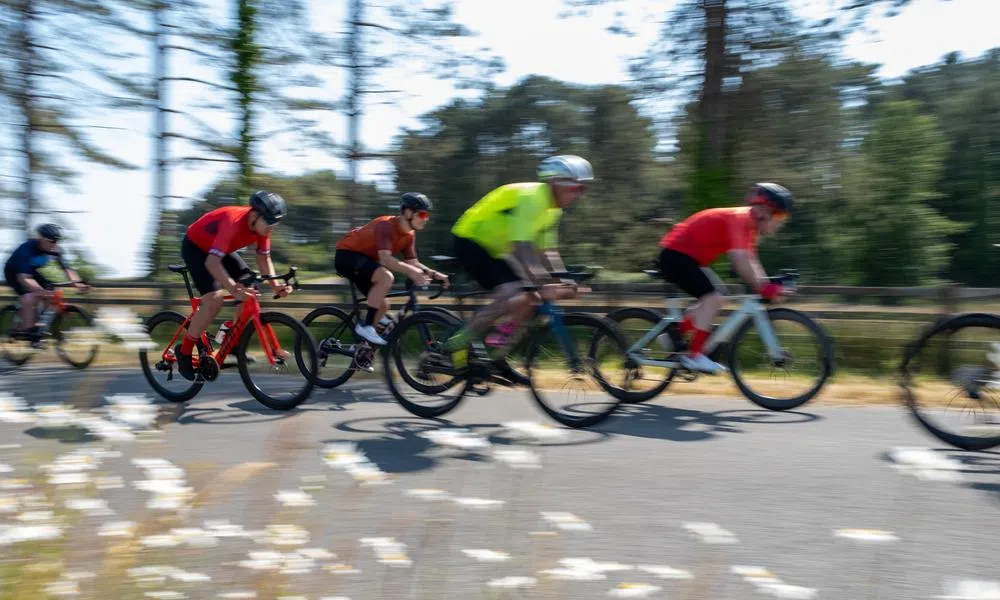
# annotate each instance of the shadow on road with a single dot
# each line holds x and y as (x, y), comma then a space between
(689, 425)
(396, 444)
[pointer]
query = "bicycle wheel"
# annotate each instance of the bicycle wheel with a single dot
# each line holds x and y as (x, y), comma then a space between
(955, 361)
(77, 355)
(645, 382)
(288, 383)
(803, 343)
(547, 362)
(336, 342)
(162, 328)
(414, 351)
(14, 351)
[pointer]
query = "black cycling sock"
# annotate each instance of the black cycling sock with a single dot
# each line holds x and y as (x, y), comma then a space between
(370, 317)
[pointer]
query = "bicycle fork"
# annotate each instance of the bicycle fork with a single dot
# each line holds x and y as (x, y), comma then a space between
(556, 323)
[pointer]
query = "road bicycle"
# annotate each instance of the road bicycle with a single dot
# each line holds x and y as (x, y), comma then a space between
(751, 332)
(333, 330)
(557, 344)
(295, 368)
(56, 317)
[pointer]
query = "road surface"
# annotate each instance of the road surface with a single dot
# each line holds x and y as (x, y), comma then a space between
(776, 489)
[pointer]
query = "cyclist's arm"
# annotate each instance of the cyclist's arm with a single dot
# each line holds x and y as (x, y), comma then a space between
(214, 261)
(28, 281)
(553, 260)
(383, 237)
(523, 238)
(749, 268)
(531, 263)
(426, 270)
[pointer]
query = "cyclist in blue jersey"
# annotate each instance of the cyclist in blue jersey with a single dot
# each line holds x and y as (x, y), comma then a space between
(22, 272)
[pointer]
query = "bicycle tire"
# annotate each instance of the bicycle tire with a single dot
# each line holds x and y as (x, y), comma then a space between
(18, 361)
(304, 344)
(653, 318)
(605, 328)
(330, 383)
(776, 404)
(147, 371)
(948, 326)
(57, 331)
(392, 357)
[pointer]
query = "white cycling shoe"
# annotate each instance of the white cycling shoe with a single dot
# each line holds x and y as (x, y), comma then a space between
(368, 332)
(701, 363)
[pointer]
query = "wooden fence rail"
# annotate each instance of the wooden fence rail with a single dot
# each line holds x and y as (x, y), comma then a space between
(859, 303)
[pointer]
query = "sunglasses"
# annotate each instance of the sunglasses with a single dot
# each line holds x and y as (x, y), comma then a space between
(423, 214)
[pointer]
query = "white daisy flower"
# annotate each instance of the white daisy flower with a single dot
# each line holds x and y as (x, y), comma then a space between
(666, 572)
(68, 479)
(294, 498)
(117, 529)
(535, 431)
(566, 521)
(92, 507)
(195, 537)
(160, 541)
(478, 503)
(788, 592)
(512, 582)
(866, 535)
(755, 575)
(236, 595)
(711, 533)
(633, 590)
(317, 553)
(482, 555)
(971, 589)
(110, 482)
(165, 595)
(462, 439)
(573, 575)
(518, 458)
(28, 533)
(428, 494)
(63, 588)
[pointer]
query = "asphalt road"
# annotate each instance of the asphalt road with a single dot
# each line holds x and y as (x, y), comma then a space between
(777, 487)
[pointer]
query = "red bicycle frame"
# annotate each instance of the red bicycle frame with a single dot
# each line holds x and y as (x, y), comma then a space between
(249, 312)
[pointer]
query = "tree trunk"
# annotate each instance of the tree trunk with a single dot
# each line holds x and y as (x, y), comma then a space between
(247, 57)
(354, 110)
(27, 65)
(162, 218)
(712, 106)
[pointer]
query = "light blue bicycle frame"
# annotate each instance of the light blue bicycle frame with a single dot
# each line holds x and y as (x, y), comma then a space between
(751, 309)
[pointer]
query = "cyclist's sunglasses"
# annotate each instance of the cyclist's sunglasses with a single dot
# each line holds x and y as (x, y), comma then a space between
(423, 214)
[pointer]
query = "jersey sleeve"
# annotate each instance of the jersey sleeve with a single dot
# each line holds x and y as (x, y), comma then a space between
(740, 236)
(383, 236)
(61, 261)
(549, 236)
(528, 211)
(223, 238)
(410, 251)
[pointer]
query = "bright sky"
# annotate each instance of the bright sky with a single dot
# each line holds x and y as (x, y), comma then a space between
(117, 204)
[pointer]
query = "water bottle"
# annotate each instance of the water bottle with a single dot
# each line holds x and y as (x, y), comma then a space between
(47, 316)
(226, 326)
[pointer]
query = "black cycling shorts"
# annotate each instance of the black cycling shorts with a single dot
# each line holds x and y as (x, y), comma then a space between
(485, 270)
(10, 274)
(685, 272)
(194, 257)
(356, 267)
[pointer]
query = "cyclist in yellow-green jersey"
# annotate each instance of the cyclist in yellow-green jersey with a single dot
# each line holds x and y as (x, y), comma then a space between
(508, 240)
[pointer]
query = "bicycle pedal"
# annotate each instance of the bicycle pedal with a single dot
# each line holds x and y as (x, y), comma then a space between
(480, 389)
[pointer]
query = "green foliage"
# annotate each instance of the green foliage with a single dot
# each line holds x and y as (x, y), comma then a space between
(467, 149)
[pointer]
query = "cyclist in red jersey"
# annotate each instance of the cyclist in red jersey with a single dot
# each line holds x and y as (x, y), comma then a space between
(695, 243)
(209, 251)
(365, 257)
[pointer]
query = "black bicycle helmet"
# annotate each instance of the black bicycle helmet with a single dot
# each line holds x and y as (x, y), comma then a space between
(415, 201)
(271, 206)
(50, 231)
(774, 195)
